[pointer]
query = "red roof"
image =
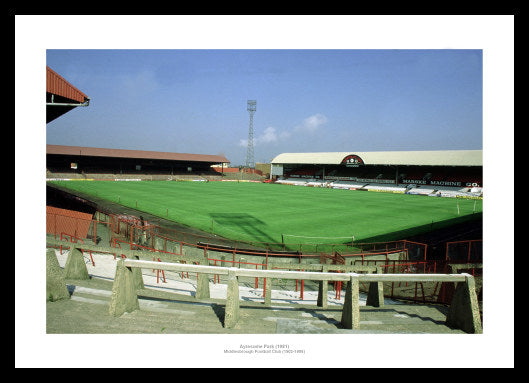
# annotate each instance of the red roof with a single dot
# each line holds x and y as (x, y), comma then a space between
(125, 153)
(57, 85)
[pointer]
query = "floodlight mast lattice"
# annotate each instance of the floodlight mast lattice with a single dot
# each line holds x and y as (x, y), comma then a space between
(251, 107)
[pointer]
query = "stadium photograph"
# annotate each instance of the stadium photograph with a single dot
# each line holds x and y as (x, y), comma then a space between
(288, 200)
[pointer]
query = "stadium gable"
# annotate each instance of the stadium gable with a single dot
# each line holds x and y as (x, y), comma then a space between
(406, 158)
(61, 96)
(101, 161)
(126, 153)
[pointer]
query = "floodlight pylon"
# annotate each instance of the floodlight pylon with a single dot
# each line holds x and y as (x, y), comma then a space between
(251, 107)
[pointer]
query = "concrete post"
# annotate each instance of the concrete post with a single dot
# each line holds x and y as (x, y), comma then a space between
(75, 267)
(351, 306)
(268, 292)
(375, 295)
(323, 289)
(159, 244)
(55, 286)
(231, 314)
(137, 276)
(202, 291)
(124, 297)
(464, 308)
(192, 251)
(143, 238)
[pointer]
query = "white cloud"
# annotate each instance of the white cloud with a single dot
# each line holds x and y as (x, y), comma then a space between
(270, 135)
(284, 135)
(312, 123)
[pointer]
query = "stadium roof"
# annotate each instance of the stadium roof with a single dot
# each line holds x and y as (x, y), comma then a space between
(61, 96)
(436, 158)
(125, 153)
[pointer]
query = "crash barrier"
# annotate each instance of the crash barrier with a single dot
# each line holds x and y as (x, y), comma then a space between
(465, 251)
(463, 312)
(148, 233)
(323, 287)
(191, 253)
(106, 226)
(446, 290)
(421, 293)
(261, 259)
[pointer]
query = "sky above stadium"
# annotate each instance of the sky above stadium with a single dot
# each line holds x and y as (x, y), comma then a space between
(308, 100)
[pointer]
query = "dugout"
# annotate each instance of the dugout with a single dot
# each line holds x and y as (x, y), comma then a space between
(442, 168)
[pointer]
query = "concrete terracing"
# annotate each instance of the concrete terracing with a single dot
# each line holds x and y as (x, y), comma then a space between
(86, 312)
(173, 307)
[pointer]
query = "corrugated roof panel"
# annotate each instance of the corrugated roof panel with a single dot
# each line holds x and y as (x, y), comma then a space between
(125, 153)
(57, 85)
(310, 158)
(435, 158)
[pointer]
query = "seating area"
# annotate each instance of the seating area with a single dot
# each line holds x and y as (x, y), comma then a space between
(401, 188)
(294, 181)
(307, 171)
(207, 175)
(447, 191)
(427, 190)
(317, 183)
(420, 190)
(412, 176)
(457, 177)
(347, 185)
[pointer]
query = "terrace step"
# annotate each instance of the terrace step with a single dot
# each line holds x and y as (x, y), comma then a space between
(167, 312)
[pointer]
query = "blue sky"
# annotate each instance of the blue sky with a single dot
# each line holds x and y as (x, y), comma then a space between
(308, 100)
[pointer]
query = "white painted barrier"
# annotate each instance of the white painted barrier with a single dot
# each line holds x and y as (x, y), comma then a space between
(463, 314)
(464, 311)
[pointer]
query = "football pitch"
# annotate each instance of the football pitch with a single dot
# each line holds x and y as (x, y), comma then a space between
(258, 212)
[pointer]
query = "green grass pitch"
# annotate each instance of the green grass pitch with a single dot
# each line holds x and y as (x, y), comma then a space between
(261, 212)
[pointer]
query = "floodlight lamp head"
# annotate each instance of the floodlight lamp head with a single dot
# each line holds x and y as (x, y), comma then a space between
(251, 106)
